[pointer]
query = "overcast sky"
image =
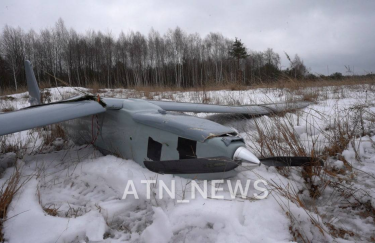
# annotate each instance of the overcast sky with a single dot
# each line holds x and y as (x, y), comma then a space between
(327, 35)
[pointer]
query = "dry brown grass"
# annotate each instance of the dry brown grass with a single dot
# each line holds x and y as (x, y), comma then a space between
(345, 197)
(307, 90)
(290, 193)
(291, 84)
(10, 91)
(208, 87)
(7, 192)
(8, 147)
(287, 83)
(53, 132)
(95, 87)
(294, 84)
(6, 98)
(51, 210)
(8, 109)
(339, 232)
(46, 96)
(311, 96)
(44, 85)
(275, 136)
(340, 135)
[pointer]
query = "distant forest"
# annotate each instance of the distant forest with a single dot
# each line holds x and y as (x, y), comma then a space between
(173, 59)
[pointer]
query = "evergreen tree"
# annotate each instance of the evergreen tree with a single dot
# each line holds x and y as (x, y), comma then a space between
(238, 51)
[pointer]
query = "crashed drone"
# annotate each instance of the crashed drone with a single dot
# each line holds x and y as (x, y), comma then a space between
(152, 133)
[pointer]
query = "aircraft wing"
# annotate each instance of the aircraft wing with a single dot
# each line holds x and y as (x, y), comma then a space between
(41, 115)
(261, 109)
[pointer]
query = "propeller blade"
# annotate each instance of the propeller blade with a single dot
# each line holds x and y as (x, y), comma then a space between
(192, 166)
(292, 161)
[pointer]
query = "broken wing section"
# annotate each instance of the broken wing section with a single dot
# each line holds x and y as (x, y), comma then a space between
(42, 115)
(261, 109)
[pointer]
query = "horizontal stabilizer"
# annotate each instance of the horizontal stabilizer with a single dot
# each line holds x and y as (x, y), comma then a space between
(192, 166)
(292, 161)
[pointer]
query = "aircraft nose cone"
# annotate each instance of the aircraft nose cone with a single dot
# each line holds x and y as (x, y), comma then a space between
(244, 155)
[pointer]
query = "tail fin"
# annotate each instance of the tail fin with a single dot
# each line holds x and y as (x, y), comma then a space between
(32, 85)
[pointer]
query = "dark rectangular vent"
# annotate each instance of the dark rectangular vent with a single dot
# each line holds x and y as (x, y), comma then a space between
(154, 149)
(187, 148)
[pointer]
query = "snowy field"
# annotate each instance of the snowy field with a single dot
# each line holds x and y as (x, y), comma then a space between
(74, 193)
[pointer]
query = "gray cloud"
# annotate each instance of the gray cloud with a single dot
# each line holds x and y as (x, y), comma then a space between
(323, 33)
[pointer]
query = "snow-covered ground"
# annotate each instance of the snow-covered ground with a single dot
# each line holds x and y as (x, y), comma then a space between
(75, 193)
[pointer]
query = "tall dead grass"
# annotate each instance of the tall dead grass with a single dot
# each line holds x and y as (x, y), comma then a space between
(282, 83)
(286, 83)
(7, 192)
(276, 136)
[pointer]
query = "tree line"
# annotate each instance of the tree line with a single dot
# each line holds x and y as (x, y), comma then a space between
(173, 59)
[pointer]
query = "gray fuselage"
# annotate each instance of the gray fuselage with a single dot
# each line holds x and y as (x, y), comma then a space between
(136, 129)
